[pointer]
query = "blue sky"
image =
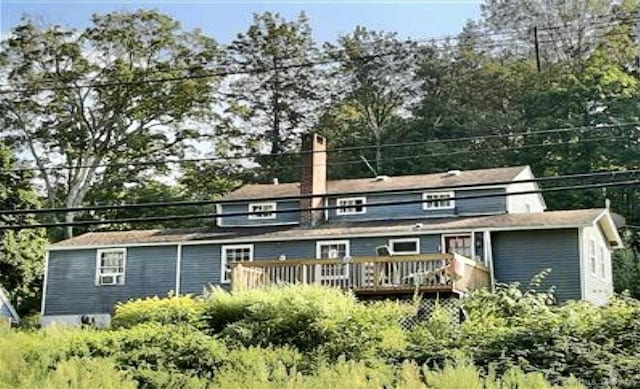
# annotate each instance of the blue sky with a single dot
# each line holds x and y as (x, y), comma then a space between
(222, 20)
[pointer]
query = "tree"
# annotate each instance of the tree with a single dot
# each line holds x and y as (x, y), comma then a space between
(377, 86)
(273, 108)
(81, 99)
(21, 252)
(568, 31)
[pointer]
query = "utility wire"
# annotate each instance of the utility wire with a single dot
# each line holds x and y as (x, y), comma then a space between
(164, 204)
(223, 73)
(447, 38)
(326, 208)
(333, 150)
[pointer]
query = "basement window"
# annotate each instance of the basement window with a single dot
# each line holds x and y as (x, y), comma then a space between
(438, 200)
(262, 211)
(351, 206)
(110, 266)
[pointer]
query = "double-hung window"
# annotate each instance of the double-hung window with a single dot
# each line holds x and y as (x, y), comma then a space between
(260, 211)
(351, 206)
(592, 256)
(234, 254)
(438, 200)
(404, 246)
(333, 249)
(603, 264)
(110, 266)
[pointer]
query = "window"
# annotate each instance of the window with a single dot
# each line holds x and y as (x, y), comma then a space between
(592, 256)
(336, 249)
(405, 246)
(459, 244)
(351, 206)
(265, 211)
(110, 265)
(438, 200)
(603, 265)
(234, 254)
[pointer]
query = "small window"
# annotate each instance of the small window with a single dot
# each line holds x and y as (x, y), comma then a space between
(438, 200)
(592, 256)
(110, 267)
(262, 211)
(404, 246)
(351, 206)
(234, 254)
(603, 265)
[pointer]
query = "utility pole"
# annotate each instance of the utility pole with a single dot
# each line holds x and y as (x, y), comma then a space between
(275, 141)
(537, 47)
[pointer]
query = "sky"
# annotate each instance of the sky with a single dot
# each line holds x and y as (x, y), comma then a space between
(222, 20)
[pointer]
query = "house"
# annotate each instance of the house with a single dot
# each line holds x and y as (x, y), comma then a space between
(8, 315)
(445, 233)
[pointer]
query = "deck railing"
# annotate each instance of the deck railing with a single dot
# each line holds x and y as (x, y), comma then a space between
(435, 272)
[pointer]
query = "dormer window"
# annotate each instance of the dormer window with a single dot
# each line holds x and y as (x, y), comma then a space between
(438, 200)
(351, 206)
(260, 211)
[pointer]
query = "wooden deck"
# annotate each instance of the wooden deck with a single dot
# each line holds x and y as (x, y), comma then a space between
(428, 273)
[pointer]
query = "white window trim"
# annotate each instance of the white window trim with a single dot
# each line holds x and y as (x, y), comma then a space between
(343, 211)
(592, 256)
(223, 258)
(393, 241)
(603, 262)
(347, 252)
(99, 253)
(452, 203)
(256, 216)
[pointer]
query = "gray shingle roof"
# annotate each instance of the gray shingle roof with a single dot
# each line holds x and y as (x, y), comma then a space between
(550, 219)
(365, 185)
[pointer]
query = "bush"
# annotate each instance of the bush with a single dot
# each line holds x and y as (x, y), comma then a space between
(17, 373)
(308, 318)
(171, 349)
(171, 310)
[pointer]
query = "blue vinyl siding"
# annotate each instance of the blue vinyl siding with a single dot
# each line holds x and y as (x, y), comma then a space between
(71, 288)
(520, 255)
(487, 205)
(281, 218)
(200, 268)
(201, 263)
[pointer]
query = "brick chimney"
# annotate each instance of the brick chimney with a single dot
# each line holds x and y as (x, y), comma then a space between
(313, 177)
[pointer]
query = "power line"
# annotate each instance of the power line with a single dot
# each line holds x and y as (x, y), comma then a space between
(164, 204)
(223, 73)
(325, 208)
(340, 149)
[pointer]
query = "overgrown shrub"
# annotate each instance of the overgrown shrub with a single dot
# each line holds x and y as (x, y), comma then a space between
(16, 372)
(142, 350)
(169, 310)
(309, 318)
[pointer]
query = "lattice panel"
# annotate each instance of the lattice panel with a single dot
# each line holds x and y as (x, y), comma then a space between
(427, 306)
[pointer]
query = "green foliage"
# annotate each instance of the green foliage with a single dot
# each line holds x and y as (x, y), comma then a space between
(112, 123)
(154, 354)
(309, 318)
(73, 374)
(313, 337)
(171, 310)
(21, 252)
